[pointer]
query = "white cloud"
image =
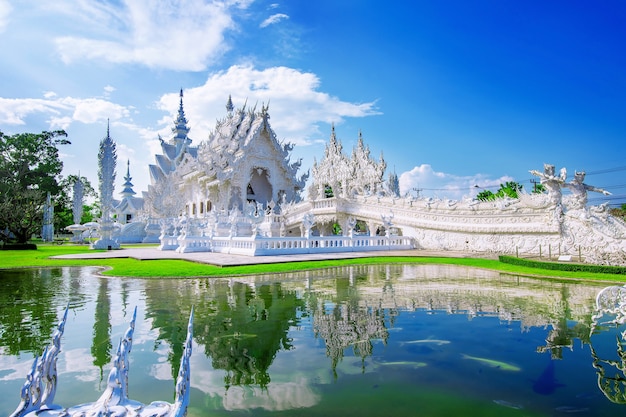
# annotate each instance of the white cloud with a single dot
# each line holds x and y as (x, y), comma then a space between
(5, 11)
(61, 111)
(108, 90)
(275, 18)
(432, 183)
(182, 35)
(296, 104)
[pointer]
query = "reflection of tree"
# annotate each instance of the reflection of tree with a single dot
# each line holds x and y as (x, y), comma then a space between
(28, 313)
(101, 345)
(241, 327)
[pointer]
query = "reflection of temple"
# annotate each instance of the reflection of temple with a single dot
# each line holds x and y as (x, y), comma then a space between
(344, 325)
(351, 307)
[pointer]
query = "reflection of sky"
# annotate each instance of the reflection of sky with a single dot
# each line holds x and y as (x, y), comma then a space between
(291, 387)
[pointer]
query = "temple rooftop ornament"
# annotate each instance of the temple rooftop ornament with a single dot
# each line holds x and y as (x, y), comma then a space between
(41, 384)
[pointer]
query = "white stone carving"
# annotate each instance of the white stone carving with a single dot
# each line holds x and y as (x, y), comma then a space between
(107, 160)
(41, 383)
(240, 184)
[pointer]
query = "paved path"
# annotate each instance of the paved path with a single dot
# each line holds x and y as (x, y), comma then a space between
(224, 259)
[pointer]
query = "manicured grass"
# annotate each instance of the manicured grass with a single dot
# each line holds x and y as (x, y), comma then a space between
(178, 268)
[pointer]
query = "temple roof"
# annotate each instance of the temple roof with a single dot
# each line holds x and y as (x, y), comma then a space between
(175, 149)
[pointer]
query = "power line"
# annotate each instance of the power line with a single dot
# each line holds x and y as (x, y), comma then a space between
(606, 171)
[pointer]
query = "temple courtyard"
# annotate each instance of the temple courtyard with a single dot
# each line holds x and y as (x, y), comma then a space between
(225, 259)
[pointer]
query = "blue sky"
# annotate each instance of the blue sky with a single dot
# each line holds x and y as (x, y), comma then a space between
(454, 93)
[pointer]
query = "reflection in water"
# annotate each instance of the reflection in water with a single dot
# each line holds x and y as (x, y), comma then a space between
(316, 339)
(28, 310)
(101, 345)
(611, 306)
(240, 325)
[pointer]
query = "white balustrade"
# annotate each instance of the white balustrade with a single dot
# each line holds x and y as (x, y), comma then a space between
(259, 245)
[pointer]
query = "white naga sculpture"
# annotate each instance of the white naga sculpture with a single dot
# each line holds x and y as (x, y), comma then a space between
(41, 384)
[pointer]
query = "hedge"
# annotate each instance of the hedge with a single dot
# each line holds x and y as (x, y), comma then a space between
(601, 269)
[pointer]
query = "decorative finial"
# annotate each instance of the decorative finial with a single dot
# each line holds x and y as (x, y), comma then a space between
(229, 105)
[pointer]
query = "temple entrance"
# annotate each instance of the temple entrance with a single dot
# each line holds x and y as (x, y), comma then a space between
(259, 188)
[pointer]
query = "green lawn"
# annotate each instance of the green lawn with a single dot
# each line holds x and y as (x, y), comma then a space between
(178, 268)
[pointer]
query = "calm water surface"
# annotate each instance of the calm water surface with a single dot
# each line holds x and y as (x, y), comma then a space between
(397, 340)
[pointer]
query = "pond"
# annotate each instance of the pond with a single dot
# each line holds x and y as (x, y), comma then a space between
(398, 340)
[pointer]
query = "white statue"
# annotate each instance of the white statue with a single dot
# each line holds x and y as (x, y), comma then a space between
(552, 182)
(579, 190)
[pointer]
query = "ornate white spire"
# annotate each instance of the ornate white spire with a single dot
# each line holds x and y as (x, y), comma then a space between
(128, 185)
(229, 105)
(107, 160)
(180, 129)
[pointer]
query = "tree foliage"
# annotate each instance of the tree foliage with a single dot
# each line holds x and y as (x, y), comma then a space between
(29, 168)
(509, 189)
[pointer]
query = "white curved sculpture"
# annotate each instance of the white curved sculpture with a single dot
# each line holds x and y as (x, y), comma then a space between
(41, 383)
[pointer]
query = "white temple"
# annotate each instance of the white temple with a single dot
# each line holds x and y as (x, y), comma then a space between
(239, 192)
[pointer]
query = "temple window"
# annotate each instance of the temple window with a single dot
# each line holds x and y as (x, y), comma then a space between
(193, 209)
(209, 206)
(201, 207)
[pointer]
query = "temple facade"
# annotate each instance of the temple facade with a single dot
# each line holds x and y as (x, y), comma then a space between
(239, 192)
(241, 163)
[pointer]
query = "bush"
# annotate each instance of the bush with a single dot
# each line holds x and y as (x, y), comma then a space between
(18, 246)
(555, 266)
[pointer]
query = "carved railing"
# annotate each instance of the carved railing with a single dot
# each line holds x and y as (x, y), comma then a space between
(258, 245)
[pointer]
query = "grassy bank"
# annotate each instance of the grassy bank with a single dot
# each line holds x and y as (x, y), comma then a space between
(126, 267)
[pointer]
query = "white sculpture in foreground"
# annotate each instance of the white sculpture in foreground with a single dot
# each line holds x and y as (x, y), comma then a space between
(239, 192)
(41, 384)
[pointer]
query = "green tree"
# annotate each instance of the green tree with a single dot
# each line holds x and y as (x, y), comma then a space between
(485, 195)
(29, 167)
(508, 189)
(619, 211)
